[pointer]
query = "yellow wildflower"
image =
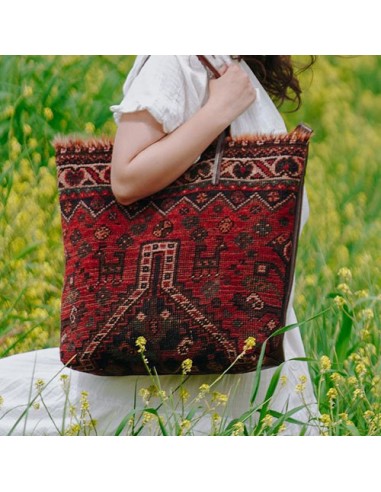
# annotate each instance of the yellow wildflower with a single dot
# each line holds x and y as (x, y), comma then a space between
(84, 401)
(336, 378)
(267, 420)
(332, 393)
(36, 405)
(48, 113)
(89, 128)
(362, 293)
(238, 429)
(365, 335)
(310, 280)
(368, 414)
(65, 381)
(184, 394)
(325, 419)
(186, 366)
(204, 388)
(15, 147)
(352, 380)
(339, 301)
(282, 428)
(325, 364)
(367, 314)
(343, 416)
(39, 385)
(27, 91)
(1, 400)
(358, 393)
(299, 388)
(141, 344)
(185, 425)
(162, 394)
(32, 143)
(145, 394)
(249, 344)
(354, 356)
(73, 430)
(360, 369)
(220, 398)
(92, 423)
(376, 381)
(371, 348)
(147, 417)
(283, 380)
(153, 390)
(36, 158)
(9, 111)
(344, 288)
(345, 274)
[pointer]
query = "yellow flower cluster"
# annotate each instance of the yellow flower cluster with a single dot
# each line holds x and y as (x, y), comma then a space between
(339, 301)
(345, 273)
(301, 386)
(141, 343)
(219, 398)
(238, 429)
(186, 366)
(152, 392)
(325, 363)
(249, 344)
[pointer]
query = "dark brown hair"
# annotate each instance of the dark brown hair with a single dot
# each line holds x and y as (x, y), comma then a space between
(278, 75)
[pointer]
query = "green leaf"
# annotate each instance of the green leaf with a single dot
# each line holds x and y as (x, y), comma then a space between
(124, 422)
(344, 336)
(353, 430)
(161, 425)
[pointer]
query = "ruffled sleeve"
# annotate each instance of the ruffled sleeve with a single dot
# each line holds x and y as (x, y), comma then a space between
(172, 88)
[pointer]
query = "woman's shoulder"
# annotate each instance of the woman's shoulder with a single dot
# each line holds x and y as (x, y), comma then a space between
(170, 72)
(165, 63)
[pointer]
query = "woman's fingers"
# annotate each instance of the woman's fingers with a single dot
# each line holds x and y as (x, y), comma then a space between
(223, 69)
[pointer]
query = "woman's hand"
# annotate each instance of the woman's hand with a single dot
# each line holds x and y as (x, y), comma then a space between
(232, 93)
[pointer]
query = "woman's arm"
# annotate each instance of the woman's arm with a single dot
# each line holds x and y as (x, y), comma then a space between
(146, 160)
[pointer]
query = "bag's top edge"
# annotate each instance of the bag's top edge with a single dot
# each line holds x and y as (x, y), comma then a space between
(74, 140)
(77, 143)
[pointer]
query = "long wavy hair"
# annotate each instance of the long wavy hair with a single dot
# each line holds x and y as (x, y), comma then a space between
(278, 75)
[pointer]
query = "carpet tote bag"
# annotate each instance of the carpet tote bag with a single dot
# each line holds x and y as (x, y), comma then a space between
(196, 268)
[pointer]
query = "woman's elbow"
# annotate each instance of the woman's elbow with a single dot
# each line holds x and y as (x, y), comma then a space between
(121, 196)
(121, 192)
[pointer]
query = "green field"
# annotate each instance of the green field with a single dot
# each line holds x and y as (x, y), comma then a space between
(41, 96)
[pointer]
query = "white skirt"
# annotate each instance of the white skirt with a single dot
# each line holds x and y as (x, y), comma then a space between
(111, 398)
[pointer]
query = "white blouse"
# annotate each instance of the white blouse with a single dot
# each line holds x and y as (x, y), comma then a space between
(173, 88)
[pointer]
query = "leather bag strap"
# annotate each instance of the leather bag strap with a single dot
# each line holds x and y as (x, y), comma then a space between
(223, 134)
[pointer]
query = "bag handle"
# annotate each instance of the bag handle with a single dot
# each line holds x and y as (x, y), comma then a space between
(223, 134)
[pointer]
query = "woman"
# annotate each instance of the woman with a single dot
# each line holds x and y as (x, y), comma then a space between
(171, 111)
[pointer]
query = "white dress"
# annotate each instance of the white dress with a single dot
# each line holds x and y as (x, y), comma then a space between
(172, 88)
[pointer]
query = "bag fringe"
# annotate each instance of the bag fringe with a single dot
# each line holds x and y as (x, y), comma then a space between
(76, 142)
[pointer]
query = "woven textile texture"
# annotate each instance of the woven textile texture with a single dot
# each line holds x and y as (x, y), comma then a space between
(195, 269)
